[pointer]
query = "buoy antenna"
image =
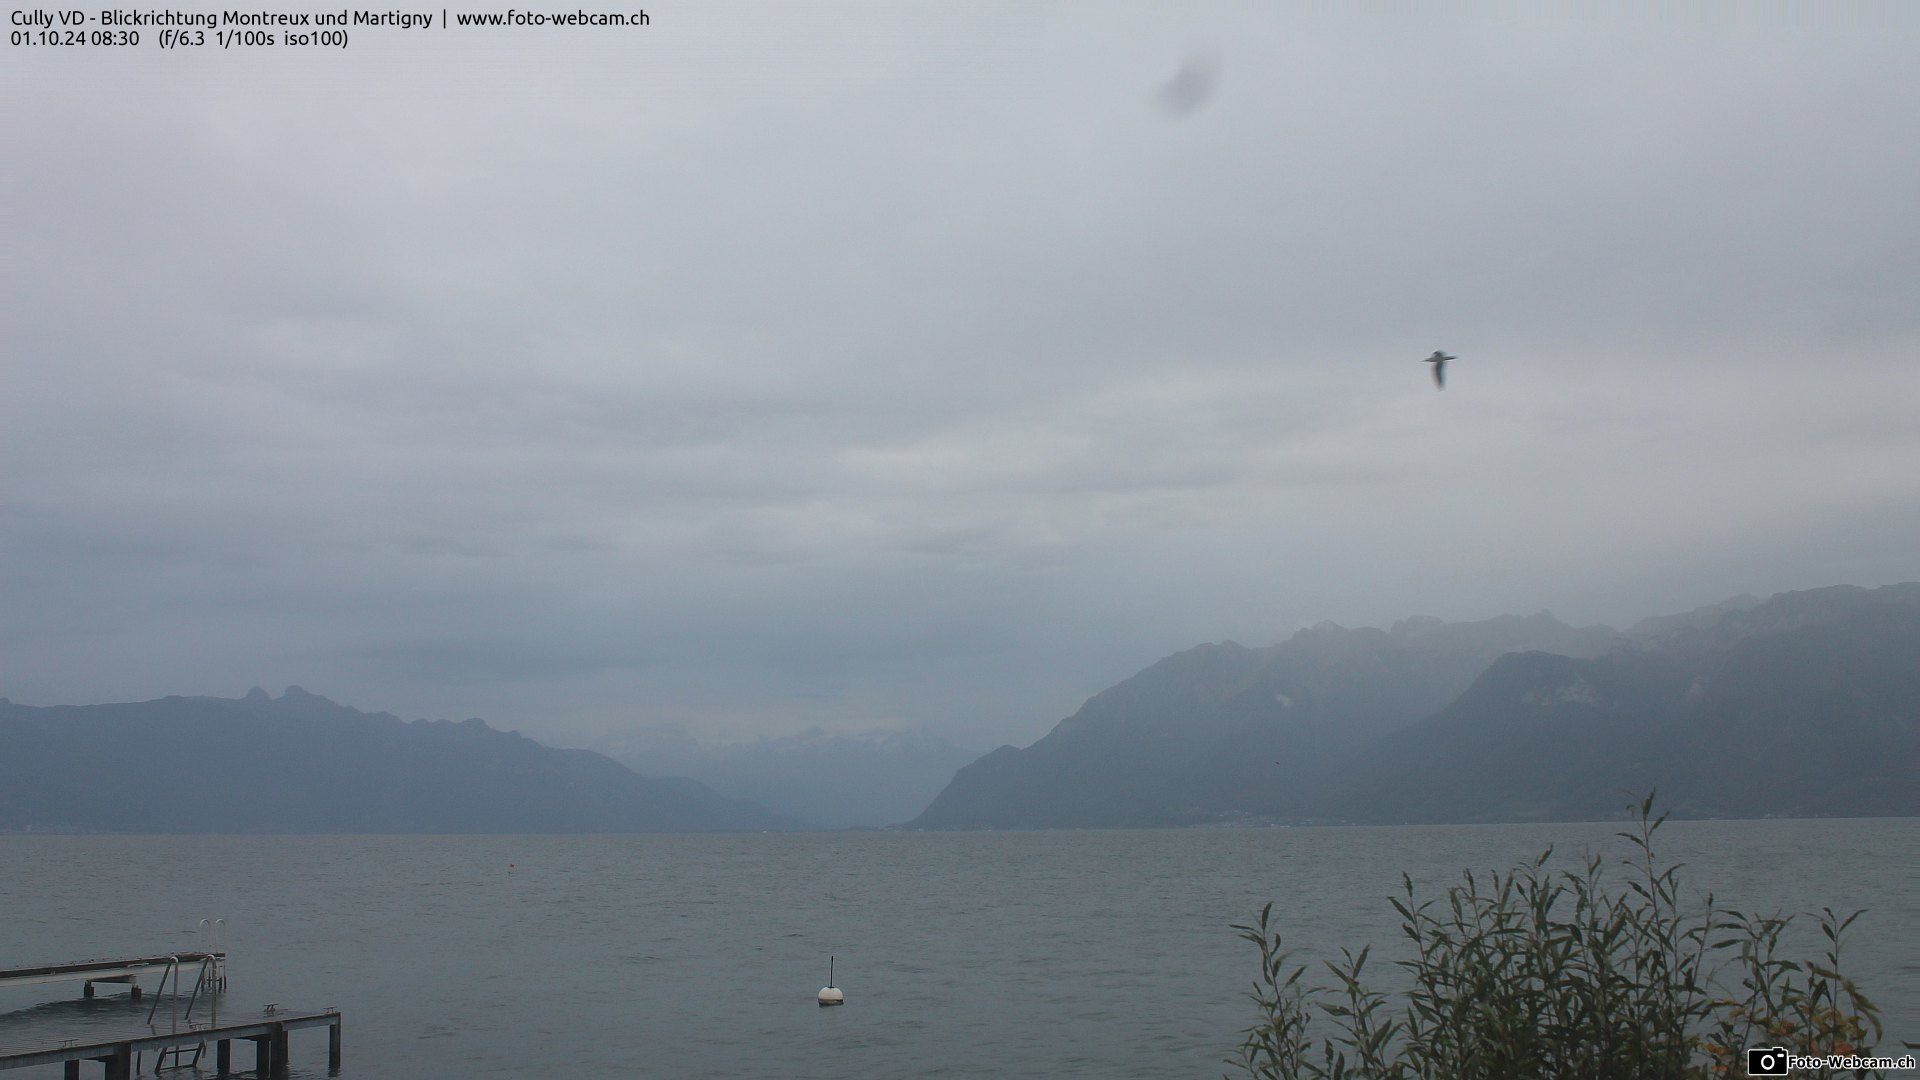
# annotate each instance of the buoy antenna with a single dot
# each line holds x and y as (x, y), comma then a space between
(830, 994)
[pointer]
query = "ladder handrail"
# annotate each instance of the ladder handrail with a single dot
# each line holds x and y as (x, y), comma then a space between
(205, 966)
(173, 967)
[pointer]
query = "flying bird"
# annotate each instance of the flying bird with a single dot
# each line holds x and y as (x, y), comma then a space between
(1439, 362)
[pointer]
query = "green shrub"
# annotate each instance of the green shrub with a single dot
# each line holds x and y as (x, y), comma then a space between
(1558, 974)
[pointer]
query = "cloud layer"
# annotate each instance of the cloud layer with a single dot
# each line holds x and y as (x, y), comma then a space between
(865, 366)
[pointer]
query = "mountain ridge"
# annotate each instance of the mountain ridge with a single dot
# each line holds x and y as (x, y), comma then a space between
(302, 763)
(1514, 718)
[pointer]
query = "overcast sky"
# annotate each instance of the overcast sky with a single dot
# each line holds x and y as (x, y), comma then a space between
(935, 365)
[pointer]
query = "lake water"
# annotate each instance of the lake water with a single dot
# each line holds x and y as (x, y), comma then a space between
(1057, 954)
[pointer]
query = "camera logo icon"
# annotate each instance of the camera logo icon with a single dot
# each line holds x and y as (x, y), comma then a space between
(1767, 1061)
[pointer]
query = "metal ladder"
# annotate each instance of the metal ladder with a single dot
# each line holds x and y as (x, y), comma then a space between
(175, 1057)
(209, 980)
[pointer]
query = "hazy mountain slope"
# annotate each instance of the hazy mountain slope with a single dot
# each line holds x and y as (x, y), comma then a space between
(1222, 732)
(300, 763)
(1805, 704)
(1816, 718)
(838, 781)
(1537, 737)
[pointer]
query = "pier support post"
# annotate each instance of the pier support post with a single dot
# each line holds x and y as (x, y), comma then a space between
(333, 1044)
(280, 1054)
(73, 1070)
(136, 988)
(120, 1065)
(88, 989)
(262, 1054)
(223, 1057)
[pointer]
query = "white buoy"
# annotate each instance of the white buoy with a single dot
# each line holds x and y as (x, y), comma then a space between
(830, 994)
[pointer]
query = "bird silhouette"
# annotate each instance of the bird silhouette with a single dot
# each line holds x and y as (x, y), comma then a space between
(1439, 362)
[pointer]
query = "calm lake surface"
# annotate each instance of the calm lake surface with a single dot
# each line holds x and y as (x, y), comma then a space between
(1059, 954)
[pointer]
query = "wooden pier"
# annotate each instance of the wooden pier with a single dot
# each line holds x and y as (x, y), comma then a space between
(126, 971)
(268, 1033)
(177, 1040)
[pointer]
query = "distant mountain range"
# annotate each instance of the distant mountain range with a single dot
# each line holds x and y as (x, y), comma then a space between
(1804, 704)
(836, 781)
(300, 763)
(1807, 703)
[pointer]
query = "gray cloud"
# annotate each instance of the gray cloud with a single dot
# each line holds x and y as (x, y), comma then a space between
(765, 372)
